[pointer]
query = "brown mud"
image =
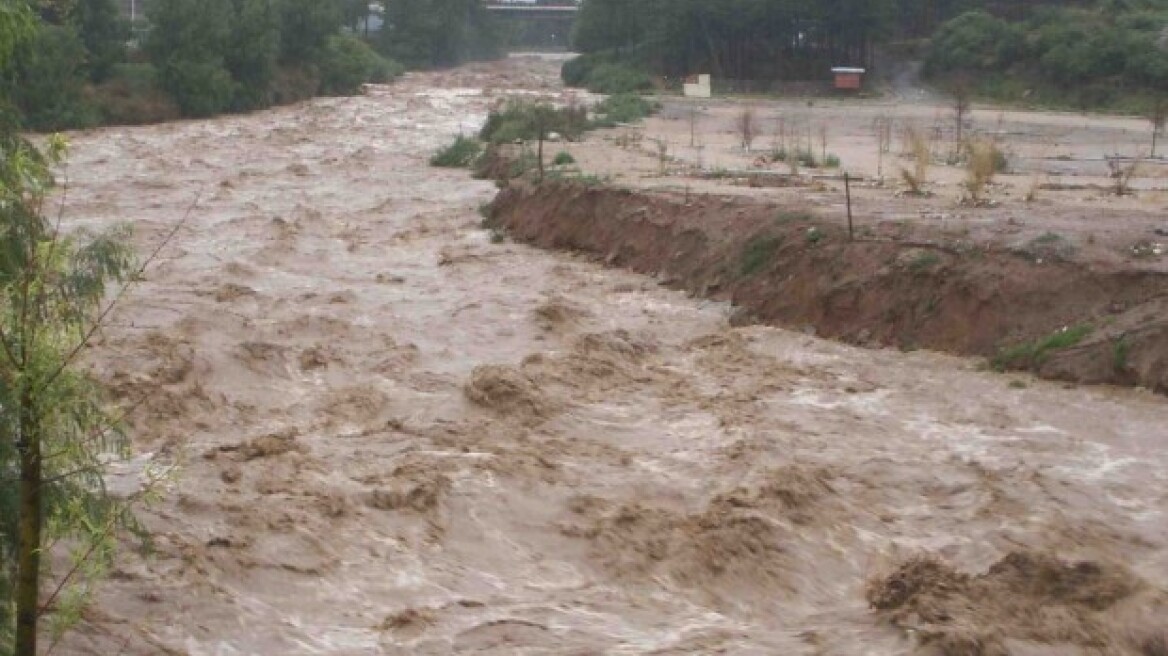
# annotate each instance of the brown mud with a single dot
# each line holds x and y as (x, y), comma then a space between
(782, 265)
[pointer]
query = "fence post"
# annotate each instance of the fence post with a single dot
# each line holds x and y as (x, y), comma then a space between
(848, 194)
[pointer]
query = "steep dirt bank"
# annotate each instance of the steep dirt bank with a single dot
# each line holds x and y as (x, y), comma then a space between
(1062, 315)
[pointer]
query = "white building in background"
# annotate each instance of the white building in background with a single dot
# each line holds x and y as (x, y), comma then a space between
(697, 86)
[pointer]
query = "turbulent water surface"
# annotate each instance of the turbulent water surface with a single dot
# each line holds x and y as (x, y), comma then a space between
(395, 435)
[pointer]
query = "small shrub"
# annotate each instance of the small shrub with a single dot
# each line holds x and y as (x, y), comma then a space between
(1121, 173)
(1001, 160)
(793, 216)
(924, 262)
(617, 78)
(563, 158)
(1049, 245)
(921, 152)
(462, 152)
(522, 120)
(815, 235)
(576, 71)
(1031, 355)
(591, 179)
(745, 123)
(1119, 354)
(832, 161)
(621, 108)
(512, 122)
(981, 165)
(758, 252)
(800, 157)
(527, 161)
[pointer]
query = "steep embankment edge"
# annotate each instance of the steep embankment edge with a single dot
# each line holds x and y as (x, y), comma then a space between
(779, 265)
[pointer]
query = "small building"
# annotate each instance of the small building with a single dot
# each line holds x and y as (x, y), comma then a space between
(697, 86)
(848, 78)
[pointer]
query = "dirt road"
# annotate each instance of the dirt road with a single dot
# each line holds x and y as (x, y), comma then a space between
(396, 436)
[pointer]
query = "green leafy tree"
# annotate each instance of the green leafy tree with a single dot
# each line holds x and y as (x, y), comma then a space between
(54, 424)
(55, 12)
(50, 75)
(188, 44)
(348, 62)
(306, 26)
(252, 52)
(436, 33)
(103, 33)
(16, 28)
(611, 24)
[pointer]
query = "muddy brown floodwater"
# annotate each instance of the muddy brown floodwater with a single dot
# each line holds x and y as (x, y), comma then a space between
(395, 436)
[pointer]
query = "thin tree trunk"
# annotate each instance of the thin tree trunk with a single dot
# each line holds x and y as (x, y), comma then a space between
(541, 138)
(28, 567)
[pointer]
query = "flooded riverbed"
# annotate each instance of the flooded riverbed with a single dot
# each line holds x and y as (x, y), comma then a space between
(395, 435)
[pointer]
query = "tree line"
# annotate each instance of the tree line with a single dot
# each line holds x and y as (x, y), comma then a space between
(1073, 42)
(739, 39)
(762, 39)
(86, 65)
(1107, 54)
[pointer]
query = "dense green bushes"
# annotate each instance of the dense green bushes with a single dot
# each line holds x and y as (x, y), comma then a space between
(51, 77)
(737, 39)
(622, 108)
(617, 78)
(348, 62)
(199, 58)
(975, 41)
(605, 72)
(1087, 57)
(219, 55)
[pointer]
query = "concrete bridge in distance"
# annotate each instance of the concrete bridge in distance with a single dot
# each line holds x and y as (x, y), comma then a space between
(536, 24)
